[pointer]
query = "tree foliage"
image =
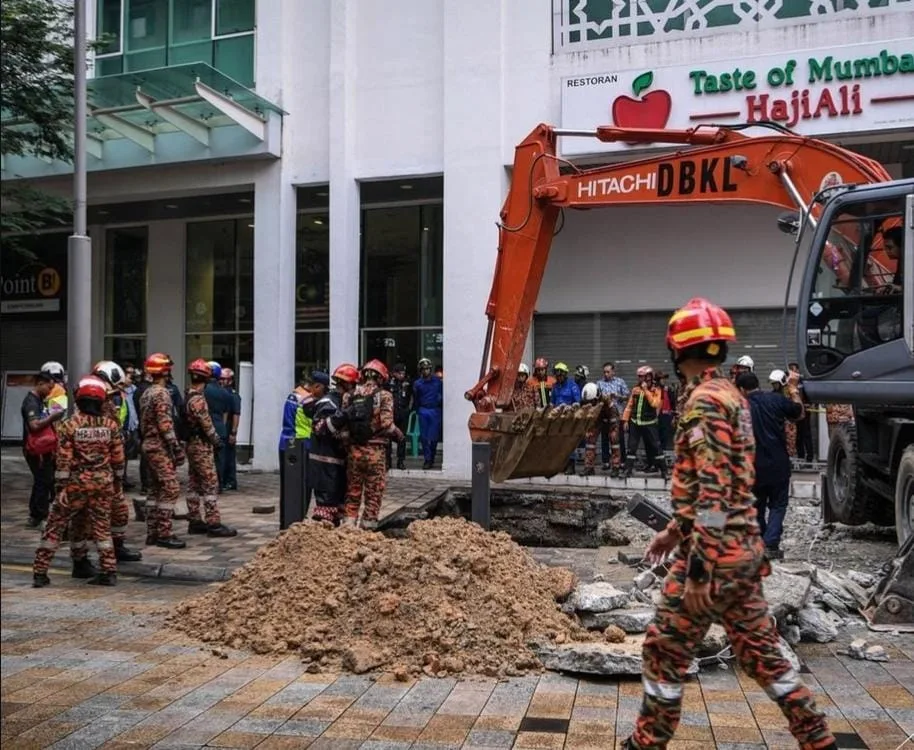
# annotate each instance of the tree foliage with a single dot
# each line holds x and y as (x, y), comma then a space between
(36, 64)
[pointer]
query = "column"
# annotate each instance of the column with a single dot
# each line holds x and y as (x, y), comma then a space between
(274, 309)
(99, 278)
(474, 188)
(345, 208)
(165, 292)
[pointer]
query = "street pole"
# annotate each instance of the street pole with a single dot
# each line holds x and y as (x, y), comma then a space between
(79, 246)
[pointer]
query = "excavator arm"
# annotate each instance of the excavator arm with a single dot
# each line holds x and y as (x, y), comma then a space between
(720, 165)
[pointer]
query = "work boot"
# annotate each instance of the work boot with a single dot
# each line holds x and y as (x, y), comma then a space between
(427, 465)
(664, 474)
(151, 540)
(369, 524)
(221, 530)
(629, 468)
(401, 466)
(614, 474)
(83, 568)
(170, 542)
(197, 526)
(139, 509)
(588, 472)
(124, 554)
(605, 467)
(40, 580)
(569, 469)
(103, 579)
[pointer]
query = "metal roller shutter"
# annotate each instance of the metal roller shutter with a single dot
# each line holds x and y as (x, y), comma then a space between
(27, 344)
(634, 339)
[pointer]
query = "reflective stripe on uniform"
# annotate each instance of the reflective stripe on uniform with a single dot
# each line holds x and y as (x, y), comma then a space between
(122, 412)
(327, 459)
(118, 529)
(105, 544)
(783, 685)
(711, 519)
(61, 476)
(79, 545)
(667, 691)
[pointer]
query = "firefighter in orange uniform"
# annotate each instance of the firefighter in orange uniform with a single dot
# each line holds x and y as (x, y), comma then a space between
(369, 411)
(541, 383)
(89, 457)
(523, 396)
(718, 574)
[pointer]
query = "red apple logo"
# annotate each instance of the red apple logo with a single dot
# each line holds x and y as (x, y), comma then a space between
(650, 111)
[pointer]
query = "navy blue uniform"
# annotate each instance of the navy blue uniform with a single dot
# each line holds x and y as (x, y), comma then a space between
(219, 402)
(428, 396)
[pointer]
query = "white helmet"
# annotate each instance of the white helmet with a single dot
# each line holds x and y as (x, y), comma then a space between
(111, 372)
(523, 369)
(589, 392)
(746, 361)
(54, 370)
(778, 377)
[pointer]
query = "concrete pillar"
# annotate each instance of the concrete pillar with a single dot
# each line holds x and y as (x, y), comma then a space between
(344, 190)
(474, 188)
(164, 300)
(274, 309)
(99, 279)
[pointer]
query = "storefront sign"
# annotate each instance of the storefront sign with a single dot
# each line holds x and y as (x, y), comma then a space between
(33, 278)
(858, 88)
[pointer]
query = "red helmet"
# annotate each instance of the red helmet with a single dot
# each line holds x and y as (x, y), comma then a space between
(347, 373)
(200, 367)
(158, 364)
(643, 372)
(699, 322)
(92, 387)
(376, 365)
(541, 363)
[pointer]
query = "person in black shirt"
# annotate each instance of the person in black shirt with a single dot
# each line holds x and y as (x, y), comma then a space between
(770, 410)
(402, 391)
(35, 418)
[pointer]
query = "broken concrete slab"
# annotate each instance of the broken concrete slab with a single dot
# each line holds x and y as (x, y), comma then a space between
(592, 658)
(598, 597)
(629, 620)
(714, 642)
(862, 579)
(786, 593)
(833, 585)
(816, 625)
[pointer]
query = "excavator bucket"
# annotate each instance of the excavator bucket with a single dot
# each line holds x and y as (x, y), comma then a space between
(532, 442)
(891, 605)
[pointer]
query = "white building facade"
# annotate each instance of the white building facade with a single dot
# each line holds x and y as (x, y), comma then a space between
(348, 210)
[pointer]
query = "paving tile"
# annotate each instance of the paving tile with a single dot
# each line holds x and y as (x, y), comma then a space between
(447, 729)
(236, 740)
(278, 742)
(489, 738)
(540, 740)
(303, 727)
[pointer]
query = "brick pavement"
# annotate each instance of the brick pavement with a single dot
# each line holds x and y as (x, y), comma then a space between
(89, 668)
(204, 559)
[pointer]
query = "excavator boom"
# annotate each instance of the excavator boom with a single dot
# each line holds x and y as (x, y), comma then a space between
(719, 165)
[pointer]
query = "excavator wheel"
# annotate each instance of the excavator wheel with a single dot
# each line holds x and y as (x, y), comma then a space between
(904, 497)
(851, 502)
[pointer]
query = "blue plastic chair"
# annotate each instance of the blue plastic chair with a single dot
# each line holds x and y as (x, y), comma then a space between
(412, 433)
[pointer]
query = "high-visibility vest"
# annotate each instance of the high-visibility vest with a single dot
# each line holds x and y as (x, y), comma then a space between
(303, 424)
(57, 399)
(122, 412)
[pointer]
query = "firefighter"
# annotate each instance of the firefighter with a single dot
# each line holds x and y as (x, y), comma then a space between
(581, 375)
(90, 457)
(402, 391)
(57, 399)
(541, 383)
(590, 395)
(202, 439)
(163, 452)
(369, 411)
(428, 396)
(114, 407)
(718, 574)
(641, 418)
(329, 439)
(523, 397)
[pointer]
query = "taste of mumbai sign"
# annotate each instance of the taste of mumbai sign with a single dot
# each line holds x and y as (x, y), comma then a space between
(856, 88)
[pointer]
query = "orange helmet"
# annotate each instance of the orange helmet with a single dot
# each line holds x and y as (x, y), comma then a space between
(347, 373)
(541, 363)
(376, 365)
(200, 367)
(699, 322)
(92, 387)
(158, 364)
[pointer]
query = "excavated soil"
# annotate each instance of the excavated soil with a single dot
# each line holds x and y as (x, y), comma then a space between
(449, 598)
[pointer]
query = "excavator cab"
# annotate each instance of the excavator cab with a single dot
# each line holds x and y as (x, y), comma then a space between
(854, 332)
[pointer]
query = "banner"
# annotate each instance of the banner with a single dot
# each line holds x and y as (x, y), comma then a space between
(33, 278)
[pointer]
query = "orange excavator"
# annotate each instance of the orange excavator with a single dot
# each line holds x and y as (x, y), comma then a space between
(855, 334)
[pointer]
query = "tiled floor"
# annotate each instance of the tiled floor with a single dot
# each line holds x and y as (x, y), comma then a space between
(86, 668)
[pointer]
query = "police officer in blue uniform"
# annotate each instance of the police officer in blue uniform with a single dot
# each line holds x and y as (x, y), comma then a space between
(428, 396)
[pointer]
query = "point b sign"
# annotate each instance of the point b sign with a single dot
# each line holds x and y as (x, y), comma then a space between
(856, 88)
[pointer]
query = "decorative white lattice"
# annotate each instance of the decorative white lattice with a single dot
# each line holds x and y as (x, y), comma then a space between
(585, 24)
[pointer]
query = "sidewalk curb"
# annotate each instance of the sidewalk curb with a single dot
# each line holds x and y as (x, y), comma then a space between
(166, 571)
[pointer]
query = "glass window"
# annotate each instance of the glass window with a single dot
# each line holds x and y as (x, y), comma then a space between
(404, 345)
(227, 349)
(126, 350)
(234, 16)
(191, 21)
(220, 280)
(109, 66)
(125, 280)
(147, 24)
(312, 352)
(312, 271)
(235, 58)
(109, 25)
(857, 295)
(390, 281)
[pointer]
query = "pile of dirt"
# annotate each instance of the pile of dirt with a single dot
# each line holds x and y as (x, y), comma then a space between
(450, 598)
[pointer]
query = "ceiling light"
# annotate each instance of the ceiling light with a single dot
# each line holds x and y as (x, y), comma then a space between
(171, 205)
(103, 212)
(424, 229)
(406, 186)
(318, 221)
(322, 194)
(244, 200)
(251, 226)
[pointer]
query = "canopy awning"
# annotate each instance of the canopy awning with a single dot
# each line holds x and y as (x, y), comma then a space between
(182, 113)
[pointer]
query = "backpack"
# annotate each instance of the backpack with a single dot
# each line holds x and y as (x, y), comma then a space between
(360, 412)
(179, 417)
